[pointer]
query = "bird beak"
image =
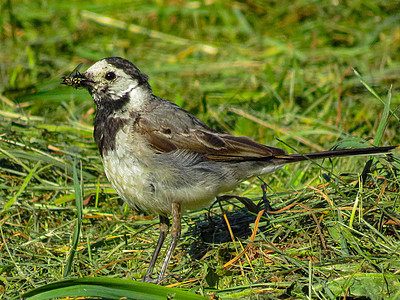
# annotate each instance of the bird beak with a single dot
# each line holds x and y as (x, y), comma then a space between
(77, 80)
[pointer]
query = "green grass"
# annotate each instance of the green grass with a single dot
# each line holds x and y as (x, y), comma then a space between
(280, 72)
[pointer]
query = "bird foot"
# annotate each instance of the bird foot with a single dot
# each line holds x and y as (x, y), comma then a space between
(151, 280)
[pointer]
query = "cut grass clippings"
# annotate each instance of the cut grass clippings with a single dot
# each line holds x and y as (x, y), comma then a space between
(279, 73)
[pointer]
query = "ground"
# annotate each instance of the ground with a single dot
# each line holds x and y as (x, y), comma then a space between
(300, 75)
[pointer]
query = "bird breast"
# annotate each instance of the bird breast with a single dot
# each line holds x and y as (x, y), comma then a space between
(151, 181)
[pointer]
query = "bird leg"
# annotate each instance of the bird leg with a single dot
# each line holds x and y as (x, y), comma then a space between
(164, 225)
(175, 235)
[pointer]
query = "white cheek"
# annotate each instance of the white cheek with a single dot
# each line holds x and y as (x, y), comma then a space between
(138, 96)
(123, 90)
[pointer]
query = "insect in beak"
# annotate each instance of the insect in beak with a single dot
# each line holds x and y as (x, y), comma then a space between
(75, 78)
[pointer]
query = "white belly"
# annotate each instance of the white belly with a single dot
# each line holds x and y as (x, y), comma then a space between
(145, 182)
(141, 182)
(129, 177)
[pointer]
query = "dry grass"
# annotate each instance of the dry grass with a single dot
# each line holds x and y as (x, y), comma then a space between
(265, 69)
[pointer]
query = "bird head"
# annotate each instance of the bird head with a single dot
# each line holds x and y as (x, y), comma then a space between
(110, 79)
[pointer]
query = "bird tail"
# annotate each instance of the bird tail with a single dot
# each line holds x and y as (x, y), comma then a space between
(337, 153)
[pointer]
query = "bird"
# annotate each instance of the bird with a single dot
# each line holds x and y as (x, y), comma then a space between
(161, 159)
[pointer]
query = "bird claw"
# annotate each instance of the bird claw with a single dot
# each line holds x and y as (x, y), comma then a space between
(151, 280)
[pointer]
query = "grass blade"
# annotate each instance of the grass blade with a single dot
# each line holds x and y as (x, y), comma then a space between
(22, 188)
(77, 230)
(384, 119)
(372, 91)
(110, 288)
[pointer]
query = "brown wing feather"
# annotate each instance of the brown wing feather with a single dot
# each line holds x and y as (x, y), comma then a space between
(168, 127)
(185, 133)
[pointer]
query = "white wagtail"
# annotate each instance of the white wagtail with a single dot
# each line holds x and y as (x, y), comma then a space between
(161, 159)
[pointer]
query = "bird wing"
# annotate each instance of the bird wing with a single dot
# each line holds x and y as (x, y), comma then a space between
(168, 128)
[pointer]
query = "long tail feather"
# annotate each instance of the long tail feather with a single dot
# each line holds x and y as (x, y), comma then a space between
(337, 153)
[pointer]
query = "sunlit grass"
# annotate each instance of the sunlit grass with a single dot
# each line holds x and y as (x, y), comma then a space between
(281, 73)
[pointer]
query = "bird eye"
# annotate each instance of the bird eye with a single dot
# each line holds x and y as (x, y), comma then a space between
(110, 76)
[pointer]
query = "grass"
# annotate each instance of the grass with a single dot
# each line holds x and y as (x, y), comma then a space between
(282, 73)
